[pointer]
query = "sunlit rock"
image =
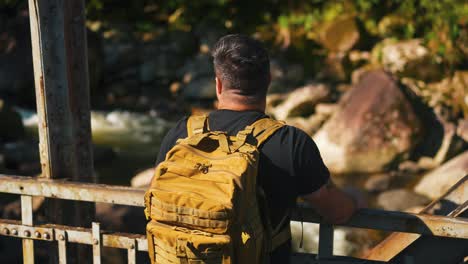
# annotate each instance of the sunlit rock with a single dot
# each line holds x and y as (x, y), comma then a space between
(400, 200)
(374, 126)
(142, 179)
(340, 35)
(438, 181)
(310, 124)
(409, 58)
(302, 101)
(462, 129)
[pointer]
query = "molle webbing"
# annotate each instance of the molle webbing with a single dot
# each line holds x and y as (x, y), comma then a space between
(180, 210)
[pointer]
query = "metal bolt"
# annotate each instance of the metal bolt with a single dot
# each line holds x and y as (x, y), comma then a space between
(6, 231)
(95, 242)
(27, 233)
(61, 237)
(37, 234)
(14, 232)
(46, 235)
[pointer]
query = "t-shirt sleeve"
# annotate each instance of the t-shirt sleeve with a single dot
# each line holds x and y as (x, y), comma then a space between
(178, 131)
(309, 169)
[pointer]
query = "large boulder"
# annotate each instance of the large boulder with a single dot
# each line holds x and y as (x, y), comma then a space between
(438, 181)
(374, 126)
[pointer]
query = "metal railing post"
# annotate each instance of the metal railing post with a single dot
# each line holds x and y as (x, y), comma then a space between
(59, 50)
(27, 219)
(325, 249)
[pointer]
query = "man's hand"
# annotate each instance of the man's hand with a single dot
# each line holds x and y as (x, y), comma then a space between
(335, 205)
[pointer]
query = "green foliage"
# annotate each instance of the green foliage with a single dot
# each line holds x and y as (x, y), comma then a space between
(295, 23)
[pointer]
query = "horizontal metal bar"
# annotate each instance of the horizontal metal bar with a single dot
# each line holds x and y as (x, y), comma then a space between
(399, 222)
(14, 228)
(364, 218)
(88, 192)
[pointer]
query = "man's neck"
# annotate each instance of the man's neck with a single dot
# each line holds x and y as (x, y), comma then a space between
(240, 107)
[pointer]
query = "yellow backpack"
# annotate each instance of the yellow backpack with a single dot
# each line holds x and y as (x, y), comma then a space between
(203, 203)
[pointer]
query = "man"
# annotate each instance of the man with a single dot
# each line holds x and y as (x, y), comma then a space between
(290, 165)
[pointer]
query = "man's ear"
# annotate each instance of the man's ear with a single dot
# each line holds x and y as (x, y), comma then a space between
(219, 86)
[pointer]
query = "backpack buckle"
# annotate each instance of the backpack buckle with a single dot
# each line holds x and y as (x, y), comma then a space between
(181, 247)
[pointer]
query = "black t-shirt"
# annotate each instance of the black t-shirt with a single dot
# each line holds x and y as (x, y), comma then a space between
(290, 164)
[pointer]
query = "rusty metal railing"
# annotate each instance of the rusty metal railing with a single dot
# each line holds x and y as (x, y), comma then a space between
(27, 187)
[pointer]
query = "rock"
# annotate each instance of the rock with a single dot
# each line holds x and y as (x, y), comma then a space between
(272, 101)
(400, 200)
(309, 125)
(284, 76)
(462, 129)
(438, 181)
(340, 35)
(11, 124)
(407, 58)
(450, 145)
(374, 126)
(142, 179)
(22, 156)
(202, 88)
(200, 66)
(16, 68)
(378, 182)
(302, 101)
(162, 57)
(410, 167)
(459, 86)
(326, 109)
(362, 71)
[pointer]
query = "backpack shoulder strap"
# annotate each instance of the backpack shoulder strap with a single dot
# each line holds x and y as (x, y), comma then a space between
(264, 128)
(261, 130)
(197, 124)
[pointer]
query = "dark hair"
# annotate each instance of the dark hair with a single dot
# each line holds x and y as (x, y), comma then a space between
(243, 66)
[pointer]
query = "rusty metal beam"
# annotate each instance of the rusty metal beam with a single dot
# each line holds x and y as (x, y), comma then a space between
(88, 192)
(14, 228)
(400, 222)
(397, 242)
(59, 51)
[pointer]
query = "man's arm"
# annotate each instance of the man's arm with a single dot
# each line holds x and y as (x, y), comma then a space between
(335, 205)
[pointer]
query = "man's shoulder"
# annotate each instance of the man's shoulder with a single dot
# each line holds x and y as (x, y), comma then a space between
(289, 132)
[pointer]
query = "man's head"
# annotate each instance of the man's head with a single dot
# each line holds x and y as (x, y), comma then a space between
(242, 70)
